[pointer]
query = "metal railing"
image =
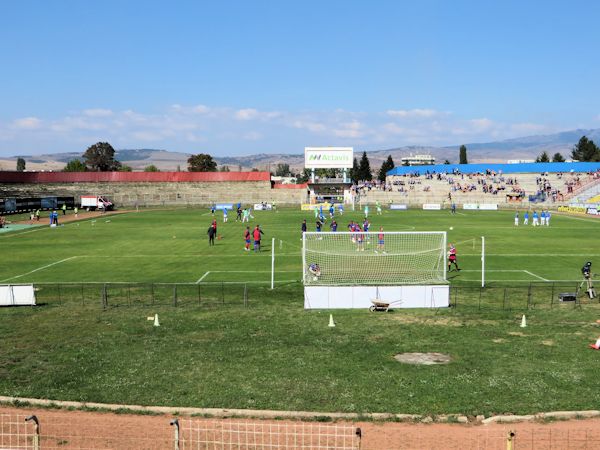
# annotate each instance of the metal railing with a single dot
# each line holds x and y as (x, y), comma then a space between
(107, 295)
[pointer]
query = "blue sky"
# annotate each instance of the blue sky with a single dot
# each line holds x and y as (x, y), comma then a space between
(236, 78)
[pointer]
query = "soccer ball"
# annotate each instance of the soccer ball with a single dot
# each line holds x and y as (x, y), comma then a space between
(451, 228)
(315, 278)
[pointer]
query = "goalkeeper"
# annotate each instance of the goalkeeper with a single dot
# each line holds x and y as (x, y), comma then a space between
(315, 271)
(452, 258)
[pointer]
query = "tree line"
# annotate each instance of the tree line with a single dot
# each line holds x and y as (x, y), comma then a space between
(584, 151)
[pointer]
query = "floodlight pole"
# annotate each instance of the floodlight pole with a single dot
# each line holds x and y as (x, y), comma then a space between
(482, 261)
(272, 263)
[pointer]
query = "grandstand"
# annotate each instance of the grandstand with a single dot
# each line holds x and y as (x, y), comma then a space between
(507, 185)
(127, 189)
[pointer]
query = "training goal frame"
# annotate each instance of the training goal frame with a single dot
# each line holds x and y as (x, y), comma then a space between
(395, 279)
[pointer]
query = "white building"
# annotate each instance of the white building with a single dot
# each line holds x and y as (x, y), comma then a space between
(417, 160)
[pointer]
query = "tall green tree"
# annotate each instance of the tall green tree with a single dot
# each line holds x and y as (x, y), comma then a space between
(543, 158)
(124, 168)
(353, 173)
(558, 158)
(386, 166)
(201, 162)
(364, 168)
(224, 169)
(462, 155)
(75, 165)
(282, 170)
(151, 168)
(20, 164)
(585, 150)
(100, 157)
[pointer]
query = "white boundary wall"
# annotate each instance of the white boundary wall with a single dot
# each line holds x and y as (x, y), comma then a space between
(17, 295)
(336, 297)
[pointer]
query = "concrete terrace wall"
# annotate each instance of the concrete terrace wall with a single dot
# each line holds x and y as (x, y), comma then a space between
(152, 189)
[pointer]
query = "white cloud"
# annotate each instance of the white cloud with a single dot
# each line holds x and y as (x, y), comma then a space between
(246, 114)
(226, 130)
(97, 112)
(352, 129)
(412, 113)
(482, 124)
(27, 123)
(255, 114)
(313, 127)
(201, 109)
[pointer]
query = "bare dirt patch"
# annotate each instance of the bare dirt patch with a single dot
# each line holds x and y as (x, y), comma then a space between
(441, 321)
(548, 342)
(426, 359)
(499, 340)
(517, 333)
(102, 430)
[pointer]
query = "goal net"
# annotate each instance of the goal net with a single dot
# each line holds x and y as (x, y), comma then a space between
(363, 259)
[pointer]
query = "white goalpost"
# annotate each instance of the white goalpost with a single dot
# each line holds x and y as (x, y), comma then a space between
(358, 269)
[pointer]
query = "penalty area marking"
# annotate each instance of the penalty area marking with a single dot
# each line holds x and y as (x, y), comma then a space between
(202, 277)
(534, 275)
(508, 270)
(39, 268)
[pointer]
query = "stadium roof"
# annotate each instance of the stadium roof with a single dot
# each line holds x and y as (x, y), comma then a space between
(130, 177)
(554, 167)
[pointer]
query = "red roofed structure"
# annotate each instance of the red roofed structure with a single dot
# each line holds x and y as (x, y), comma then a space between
(131, 177)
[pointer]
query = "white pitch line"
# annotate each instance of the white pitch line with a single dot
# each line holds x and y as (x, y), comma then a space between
(534, 275)
(254, 271)
(39, 268)
(518, 255)
(38, 228)
(264, 254)
(202, 277)
(493, 270)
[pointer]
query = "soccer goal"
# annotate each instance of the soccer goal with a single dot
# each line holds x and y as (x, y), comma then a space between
(356, 269)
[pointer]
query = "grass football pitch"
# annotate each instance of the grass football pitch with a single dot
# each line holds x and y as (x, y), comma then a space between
(274, 355)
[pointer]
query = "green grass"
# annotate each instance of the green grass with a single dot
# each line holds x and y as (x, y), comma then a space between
(275, 355)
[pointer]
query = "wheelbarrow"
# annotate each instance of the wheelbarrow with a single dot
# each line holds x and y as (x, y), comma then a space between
(380, 305)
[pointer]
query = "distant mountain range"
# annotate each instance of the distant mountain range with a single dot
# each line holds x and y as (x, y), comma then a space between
(525, 148)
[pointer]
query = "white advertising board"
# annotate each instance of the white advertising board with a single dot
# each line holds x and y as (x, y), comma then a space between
(482, 206)
(17, 295)
(263, 207)
(432, 206)
(361, 297)
(398, 207)
(328, 157)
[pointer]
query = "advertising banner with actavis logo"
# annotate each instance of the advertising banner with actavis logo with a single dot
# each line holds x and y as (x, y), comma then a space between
(328, 157)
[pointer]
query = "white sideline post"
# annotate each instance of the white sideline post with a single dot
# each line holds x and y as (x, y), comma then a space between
(303, 257)
(482, 261)
(272, 263)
